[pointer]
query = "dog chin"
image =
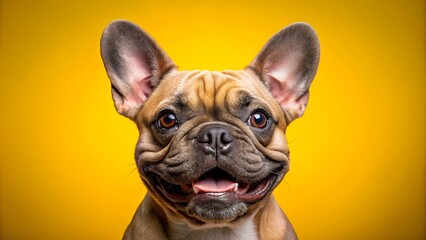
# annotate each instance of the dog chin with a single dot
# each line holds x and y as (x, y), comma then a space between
(208, 208)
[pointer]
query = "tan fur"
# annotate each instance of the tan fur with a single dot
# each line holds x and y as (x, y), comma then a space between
(150, 223)
(212, 139)
(222, 87)
(281, 227)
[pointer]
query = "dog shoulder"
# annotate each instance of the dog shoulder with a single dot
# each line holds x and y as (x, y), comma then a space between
(274, 224)
(147, 223)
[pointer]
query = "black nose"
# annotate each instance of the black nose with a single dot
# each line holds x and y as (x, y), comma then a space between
(215, 140)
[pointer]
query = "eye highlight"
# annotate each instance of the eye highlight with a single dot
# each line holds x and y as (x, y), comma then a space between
(167, 121)
(258, 120)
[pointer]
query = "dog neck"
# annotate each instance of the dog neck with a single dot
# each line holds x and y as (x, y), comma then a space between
(243, 229)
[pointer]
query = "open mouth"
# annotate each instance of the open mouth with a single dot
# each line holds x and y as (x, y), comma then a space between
(216, 184)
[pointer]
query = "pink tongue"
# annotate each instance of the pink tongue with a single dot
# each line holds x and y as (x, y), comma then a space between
(214, 185)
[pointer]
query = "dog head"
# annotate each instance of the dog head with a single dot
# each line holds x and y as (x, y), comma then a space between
(212, 145)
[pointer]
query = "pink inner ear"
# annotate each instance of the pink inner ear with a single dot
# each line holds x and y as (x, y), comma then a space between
(283, 72)
(140, 76)
(288, 96)
(278, 88)
(284, 78)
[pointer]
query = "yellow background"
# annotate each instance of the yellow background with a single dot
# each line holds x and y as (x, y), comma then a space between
(358, 154)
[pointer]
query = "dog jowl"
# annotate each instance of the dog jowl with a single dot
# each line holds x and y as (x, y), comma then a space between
(212, 144)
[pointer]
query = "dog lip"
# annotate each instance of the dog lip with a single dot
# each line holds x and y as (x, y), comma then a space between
(174, 192)
(213, 186)
(255, 191)
(246, 192)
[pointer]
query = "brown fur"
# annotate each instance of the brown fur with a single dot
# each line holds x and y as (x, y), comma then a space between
(145, 83)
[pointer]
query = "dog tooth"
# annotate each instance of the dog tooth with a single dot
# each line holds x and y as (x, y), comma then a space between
(235, 187)
(196, 190)
(216, 194)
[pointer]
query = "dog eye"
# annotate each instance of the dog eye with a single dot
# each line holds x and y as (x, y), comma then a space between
(258, 120)
(167, 121)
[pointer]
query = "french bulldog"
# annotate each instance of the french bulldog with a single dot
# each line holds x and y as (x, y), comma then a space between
(212, 145)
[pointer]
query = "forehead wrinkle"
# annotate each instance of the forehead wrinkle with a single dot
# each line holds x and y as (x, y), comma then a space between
(234, 102)
(246, 93)
(212, 92)
(227, 87)
(197, 88)
(208, 91)
(181, 96)
(181, 101)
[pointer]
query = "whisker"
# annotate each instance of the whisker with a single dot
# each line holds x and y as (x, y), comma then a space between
(129, 165)
(132, 171)
(293, 140)
(287, 184)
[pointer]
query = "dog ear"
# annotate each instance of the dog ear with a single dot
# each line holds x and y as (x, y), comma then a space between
(288, 63)
(134, 64)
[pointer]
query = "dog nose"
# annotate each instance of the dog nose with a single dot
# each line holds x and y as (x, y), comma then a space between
(215, 140)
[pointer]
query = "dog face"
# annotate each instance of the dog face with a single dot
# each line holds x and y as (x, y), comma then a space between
(212, 145)
(219, 144)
